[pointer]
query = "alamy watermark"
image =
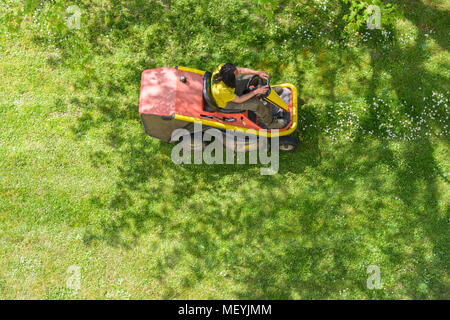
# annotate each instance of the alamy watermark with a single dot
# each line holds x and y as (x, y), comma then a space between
(374, 21)
(207, 146)
(74, 19)
(374, 280)
(74, 280)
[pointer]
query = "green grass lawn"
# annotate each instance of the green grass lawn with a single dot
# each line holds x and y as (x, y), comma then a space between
(82, 185)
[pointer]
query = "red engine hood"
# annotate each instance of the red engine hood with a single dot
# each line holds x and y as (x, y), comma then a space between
(163, 94)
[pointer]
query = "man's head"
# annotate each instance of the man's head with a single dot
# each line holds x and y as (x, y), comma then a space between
(227, 74)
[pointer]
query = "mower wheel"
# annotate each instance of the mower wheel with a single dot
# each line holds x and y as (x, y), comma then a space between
(196, 146)
(288, 143)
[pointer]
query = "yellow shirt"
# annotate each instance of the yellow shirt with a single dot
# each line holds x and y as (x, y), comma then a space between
(221, 92)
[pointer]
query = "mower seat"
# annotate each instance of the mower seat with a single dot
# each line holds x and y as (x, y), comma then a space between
(209, 104)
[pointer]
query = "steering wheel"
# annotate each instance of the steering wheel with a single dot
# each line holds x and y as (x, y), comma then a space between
(255, 82)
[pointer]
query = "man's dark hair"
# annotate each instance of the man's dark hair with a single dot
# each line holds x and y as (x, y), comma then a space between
(226, 74)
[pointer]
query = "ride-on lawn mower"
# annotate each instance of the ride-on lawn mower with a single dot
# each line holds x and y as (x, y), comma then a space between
(173, 98)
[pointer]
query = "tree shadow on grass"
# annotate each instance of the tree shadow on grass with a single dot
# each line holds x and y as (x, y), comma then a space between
(307, 232)
(428, 19)
(423, 280)
(275, 241)
(417, 174)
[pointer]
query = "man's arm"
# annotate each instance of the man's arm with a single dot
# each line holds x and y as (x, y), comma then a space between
(261, 74)
(251, 94)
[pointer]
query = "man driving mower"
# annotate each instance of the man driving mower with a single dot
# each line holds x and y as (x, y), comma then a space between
(228, 85)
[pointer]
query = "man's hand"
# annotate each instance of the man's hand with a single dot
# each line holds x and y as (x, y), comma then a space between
(251, 94)
(262, 74)
(261, 90)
